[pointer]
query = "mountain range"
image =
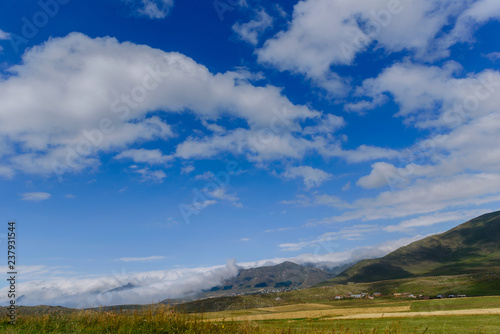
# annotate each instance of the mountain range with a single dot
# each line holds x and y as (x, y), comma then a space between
(284, 276)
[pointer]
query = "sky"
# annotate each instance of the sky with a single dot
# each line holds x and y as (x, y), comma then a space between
(167, 143)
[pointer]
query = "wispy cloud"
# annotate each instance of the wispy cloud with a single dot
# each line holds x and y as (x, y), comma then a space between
(36, 196)
(140, 259)
(312, 177)
(144, 156)
(153, 9)
(149, 175)
(357, 232)
(436, 218)
(250, 31)
(4, 35)
(279, 229)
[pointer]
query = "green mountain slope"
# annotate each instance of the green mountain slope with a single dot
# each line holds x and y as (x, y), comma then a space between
(468, 248)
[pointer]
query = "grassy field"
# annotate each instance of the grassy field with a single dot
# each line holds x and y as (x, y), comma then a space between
(296, 318)
(471, 285)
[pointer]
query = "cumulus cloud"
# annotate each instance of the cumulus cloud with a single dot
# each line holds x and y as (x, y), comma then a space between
(250, 31)
(83, 96)
(457, 164)
(431, 96)
(36, 196)
(379, 177)
(312, 177)
(325, 33)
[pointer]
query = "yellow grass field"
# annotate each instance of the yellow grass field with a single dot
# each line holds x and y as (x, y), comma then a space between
(311, 311)
(390, 309)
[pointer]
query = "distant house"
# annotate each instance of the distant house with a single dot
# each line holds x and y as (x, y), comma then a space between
(357, 296)
(376, 294)
(460, 296)
(338, 297)
(439, 296)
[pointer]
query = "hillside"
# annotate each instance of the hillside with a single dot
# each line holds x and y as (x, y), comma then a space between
(468, 248)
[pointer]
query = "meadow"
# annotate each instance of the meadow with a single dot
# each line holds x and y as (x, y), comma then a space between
(461, 315)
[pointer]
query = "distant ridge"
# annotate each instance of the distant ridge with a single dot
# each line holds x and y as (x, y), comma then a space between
(468, 248)
(286, 275)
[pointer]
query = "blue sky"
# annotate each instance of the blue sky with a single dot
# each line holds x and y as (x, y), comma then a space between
(152, 141)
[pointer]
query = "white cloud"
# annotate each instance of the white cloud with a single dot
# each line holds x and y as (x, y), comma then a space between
(379, 177)
(153, 9)
(148, 175)
(205, 176)
(328, 125)
(146, 287)
(221, 194)
(144, 156)
(70, 196)
(36, 196)
(458, 165)
(245, 239)
(6, 172)
(187, 169)
(140, 259)
(346, 186)
(250, 31)
(312, 177)
(493, 56)
(83, 96)
(4, 35)
(426, 196)
(430, 96)
(325, 33)
(467, 22)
